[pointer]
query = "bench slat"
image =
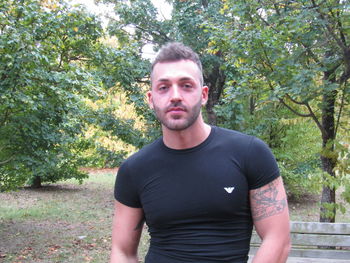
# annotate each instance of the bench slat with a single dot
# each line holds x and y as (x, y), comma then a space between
(312, 240)
(313, 253)
(320, 253)
(309, 240)
(317, 228)
(316, 260)
(320, 240)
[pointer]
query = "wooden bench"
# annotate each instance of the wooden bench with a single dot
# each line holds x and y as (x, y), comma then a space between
(309, 242)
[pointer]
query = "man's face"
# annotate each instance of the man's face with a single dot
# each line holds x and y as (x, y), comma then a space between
(177, 95)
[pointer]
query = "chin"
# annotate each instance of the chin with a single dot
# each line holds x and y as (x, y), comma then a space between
(181, 125)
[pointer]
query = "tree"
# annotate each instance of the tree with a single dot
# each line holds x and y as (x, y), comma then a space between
(123, 70)
(299, 53)
(43, 85)
(139, 22)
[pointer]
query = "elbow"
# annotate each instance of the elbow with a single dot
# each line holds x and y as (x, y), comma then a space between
(120, 254)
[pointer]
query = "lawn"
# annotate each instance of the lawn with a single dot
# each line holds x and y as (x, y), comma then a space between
(68, 222)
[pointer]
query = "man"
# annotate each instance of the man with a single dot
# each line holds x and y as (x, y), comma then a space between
(199, 188)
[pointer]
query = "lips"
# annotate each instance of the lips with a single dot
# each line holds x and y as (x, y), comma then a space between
(175, 109)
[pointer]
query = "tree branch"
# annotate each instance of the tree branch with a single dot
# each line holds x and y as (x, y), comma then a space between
(6, 161)
(295, 101)
(345, 76)
(310, 114)
(154, 33)
(276, 8)
(267, 23)
(341, 32)
(308, 49)
(293, 110)
(7, 113)
(313, 116)
(342, 102)
(329, 29)
(142, 81)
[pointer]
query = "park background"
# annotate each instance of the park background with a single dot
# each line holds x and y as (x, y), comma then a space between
(72, 106)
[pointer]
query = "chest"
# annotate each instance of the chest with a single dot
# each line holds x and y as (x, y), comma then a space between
(199, 188)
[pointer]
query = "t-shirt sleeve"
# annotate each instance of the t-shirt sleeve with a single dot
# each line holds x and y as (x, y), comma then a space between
(261, 165)
(125, 190)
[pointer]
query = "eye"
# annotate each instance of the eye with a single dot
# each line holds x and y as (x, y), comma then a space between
(162, 87)
(187, 85)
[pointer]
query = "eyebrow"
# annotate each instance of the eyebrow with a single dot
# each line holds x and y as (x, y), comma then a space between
(181, 79)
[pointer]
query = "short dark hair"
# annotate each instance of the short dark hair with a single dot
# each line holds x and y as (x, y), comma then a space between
(175, 51)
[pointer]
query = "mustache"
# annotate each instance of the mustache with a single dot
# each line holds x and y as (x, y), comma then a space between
(176, 105)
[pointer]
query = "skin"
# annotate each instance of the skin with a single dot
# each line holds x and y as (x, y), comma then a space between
(271, 220)
(126, 233)
(176, 96)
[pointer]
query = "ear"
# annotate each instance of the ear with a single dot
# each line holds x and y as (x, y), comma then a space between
(205, 91)
(149, 98)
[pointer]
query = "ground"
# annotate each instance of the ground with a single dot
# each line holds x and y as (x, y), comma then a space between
(68, 222)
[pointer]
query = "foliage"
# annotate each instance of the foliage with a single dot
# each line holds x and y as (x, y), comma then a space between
(61, 78)
(42, 86)
(342, 180)
(294, 141)
(295, 53)
(270, 55)
(123, 71)
(139, 22)
(299, 157)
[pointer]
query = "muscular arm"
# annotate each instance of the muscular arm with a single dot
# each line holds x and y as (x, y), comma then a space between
(127, 228)
(271, 219)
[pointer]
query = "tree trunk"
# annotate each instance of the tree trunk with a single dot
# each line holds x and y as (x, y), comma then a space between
(211, 115)
(328, 163)
(36, 182)
(252, 101)
(215, 82)
(328, 194)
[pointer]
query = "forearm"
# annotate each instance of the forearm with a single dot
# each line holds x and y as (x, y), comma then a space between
(118, 256)
(272, 251)
(126, 233)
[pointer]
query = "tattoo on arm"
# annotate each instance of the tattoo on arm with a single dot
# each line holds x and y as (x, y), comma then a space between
(265, 203)
(140, 224)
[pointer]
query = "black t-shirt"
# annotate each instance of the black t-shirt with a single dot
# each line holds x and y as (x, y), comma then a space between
(196, 201)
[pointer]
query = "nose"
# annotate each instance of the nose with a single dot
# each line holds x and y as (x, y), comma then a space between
(175, 93)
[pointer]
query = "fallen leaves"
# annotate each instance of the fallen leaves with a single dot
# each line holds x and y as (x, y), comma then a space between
(53, 249)
(25, 253)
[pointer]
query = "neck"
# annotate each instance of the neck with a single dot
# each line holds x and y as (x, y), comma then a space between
(188, 138)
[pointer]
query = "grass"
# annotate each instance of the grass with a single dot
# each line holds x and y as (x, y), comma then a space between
(64, 222)
(68, 222)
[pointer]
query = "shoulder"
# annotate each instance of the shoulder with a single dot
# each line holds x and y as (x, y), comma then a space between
(232, 137)
(249, 142)
(143, 156)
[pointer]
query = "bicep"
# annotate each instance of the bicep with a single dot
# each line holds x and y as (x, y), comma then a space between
(127, 228)
(270, 209)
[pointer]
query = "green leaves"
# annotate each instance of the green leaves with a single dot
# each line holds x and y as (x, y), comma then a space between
(43, 84)
(291, 54)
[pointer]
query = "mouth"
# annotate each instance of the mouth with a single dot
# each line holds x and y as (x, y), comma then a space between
(176, 109)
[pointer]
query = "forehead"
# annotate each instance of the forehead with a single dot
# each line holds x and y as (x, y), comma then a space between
(174, 70)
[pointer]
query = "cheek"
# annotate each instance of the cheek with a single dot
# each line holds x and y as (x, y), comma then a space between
(157, 105)
(159, 101)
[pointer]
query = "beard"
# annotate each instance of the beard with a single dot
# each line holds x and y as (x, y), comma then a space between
(178, 123)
